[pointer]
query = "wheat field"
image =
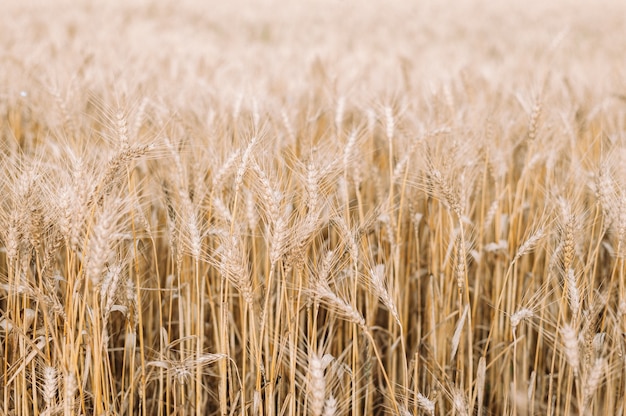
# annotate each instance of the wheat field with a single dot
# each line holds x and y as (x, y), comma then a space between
(315, 208)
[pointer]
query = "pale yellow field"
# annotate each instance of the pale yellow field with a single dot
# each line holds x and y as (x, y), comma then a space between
(313, 208)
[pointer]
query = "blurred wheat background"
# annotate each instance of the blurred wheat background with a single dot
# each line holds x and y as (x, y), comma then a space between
(312, 208)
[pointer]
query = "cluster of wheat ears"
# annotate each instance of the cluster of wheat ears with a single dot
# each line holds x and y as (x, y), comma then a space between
(300, 246)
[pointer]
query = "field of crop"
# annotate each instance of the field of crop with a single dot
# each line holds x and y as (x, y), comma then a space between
(329, 207)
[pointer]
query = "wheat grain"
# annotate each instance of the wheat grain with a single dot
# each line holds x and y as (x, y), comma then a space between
(389, 123)
(521, 315)
(50, 386)
(456, 337)
(481, 376)
(459, 402)
(317, 382)
(426, 404)
(70, 387)
(339, 113)
(594, 378)
(331, 182)
(572, 352)
(330, 406)
(243, 166)
(572, 292)
(377, 283)
(529, 244)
